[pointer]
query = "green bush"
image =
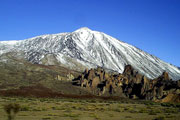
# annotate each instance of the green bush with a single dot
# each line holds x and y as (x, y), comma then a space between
(152, 112)
(24, 108)
(160, 118)
(11, 109)
(168, 105)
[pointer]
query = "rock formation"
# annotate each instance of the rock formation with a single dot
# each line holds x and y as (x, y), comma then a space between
(129, 84)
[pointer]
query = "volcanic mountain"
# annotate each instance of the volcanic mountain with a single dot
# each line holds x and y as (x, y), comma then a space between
(85, 48)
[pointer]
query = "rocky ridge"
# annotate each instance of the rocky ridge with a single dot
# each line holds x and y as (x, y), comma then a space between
(85, 48)
(130, 84)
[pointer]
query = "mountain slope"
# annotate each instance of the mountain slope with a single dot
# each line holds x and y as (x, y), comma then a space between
(85, 48)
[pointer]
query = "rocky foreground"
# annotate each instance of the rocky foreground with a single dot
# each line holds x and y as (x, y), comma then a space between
(129, 84)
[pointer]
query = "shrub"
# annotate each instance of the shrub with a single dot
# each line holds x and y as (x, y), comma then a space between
(24, 108)
(168, 105)
(117, 110)
(152, 113)
(160, 118)
(11, 109)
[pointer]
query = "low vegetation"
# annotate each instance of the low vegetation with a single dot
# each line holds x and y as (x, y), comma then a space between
(85, 109)
(11, 109)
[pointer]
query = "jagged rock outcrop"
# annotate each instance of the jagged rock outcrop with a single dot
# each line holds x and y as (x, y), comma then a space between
(129, 84)
(101, 83)
(162, 87)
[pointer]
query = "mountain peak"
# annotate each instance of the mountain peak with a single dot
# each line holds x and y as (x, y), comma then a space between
(83, 29)
(85, 48)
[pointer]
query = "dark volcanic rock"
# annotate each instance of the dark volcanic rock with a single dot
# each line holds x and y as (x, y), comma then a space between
(130, 84)
(102, 83)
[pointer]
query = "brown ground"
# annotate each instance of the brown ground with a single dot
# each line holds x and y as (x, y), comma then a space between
(40, 91)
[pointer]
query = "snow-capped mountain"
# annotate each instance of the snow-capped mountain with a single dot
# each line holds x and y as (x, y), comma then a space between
(88, 48)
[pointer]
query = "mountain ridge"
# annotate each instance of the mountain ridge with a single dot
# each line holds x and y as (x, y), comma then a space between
(87, 49)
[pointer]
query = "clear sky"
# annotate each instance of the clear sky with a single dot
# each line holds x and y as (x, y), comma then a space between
(151, 25)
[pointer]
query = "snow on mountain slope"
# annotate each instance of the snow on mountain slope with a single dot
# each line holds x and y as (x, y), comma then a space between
(5, 46)
(90, 49)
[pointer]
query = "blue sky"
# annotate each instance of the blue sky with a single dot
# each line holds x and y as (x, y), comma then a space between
(151, 25)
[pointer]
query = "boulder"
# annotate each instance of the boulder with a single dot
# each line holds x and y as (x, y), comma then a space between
(84, 83)
(106, 76)
(159, 92)
(128, 70)
(70, 77)
(145, 83)
(95, 82)
(165, 76)
(101, 76)
(91, 74)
